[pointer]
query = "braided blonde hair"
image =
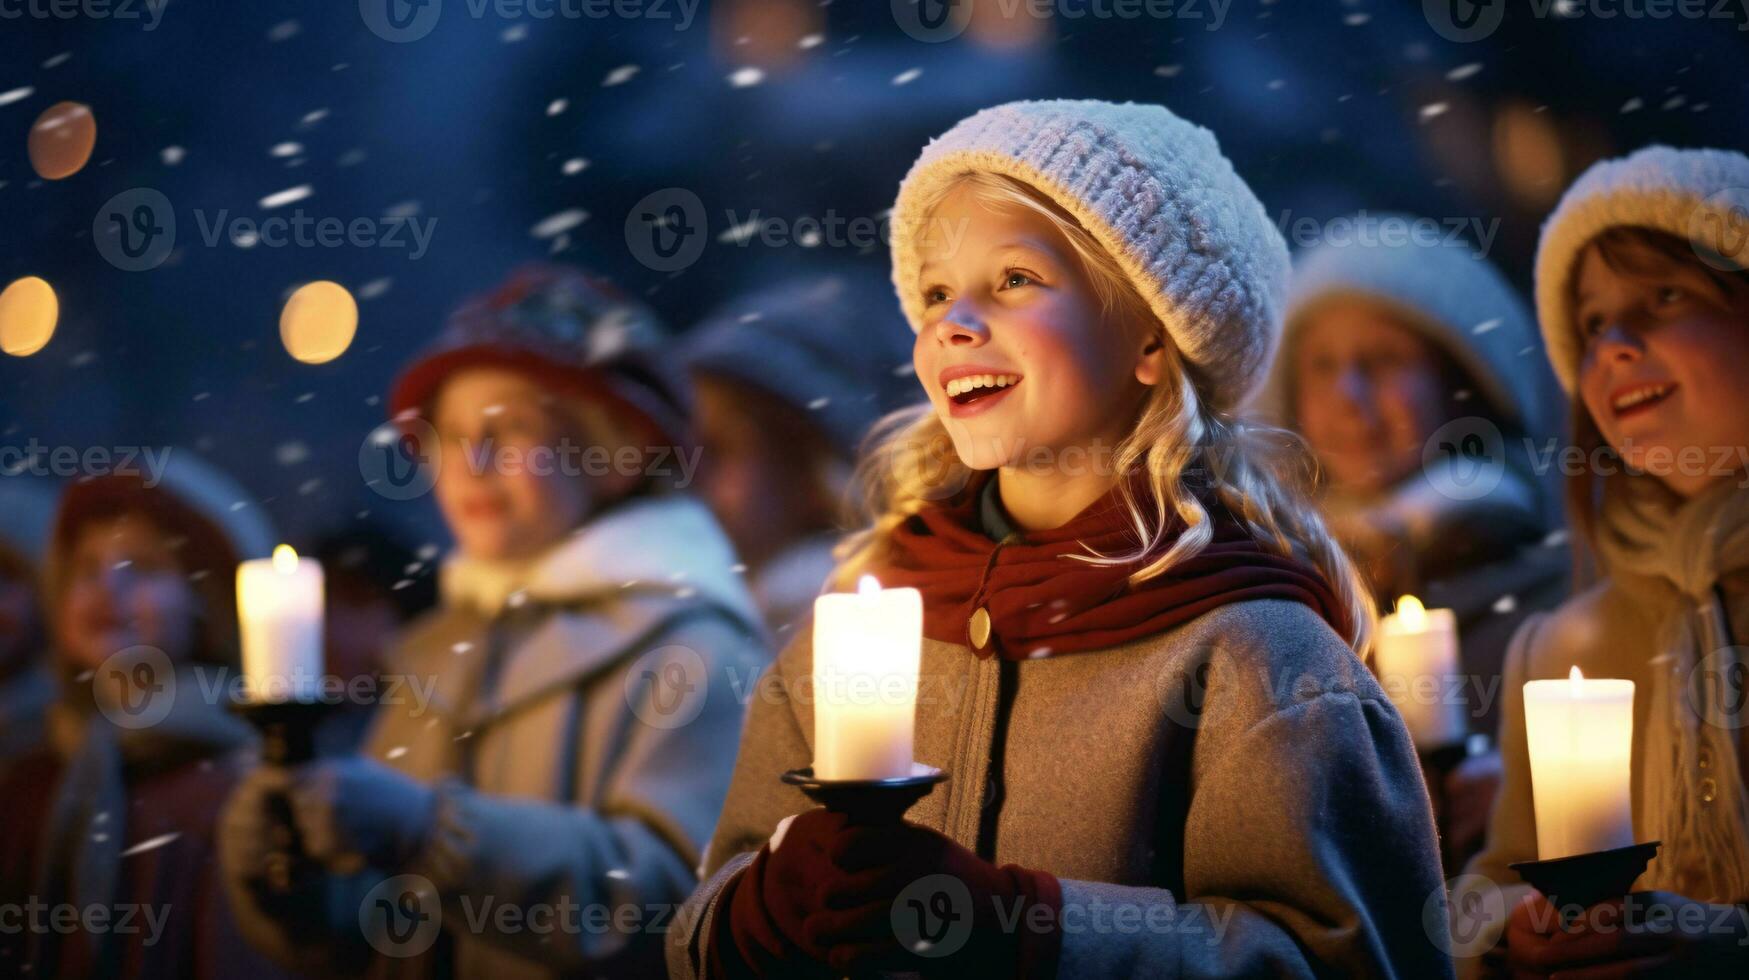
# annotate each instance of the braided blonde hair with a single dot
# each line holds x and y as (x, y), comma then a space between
(1259, 472)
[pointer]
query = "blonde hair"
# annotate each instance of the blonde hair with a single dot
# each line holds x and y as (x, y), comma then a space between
(1259, 472)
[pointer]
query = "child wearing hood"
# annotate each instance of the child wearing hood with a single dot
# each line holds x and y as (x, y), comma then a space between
(114, 814)
(1410, 366)
(1644, 303)
(1139, 661)
(790, 378)
(572, 751)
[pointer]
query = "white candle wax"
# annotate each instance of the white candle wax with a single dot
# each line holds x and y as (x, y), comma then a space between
(1580, 734)
(867, 649)
(1416, 658)
(279, 614)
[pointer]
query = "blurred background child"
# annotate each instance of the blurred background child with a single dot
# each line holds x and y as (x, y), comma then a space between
(117, 809)
(1392, 333)
(576, 742)
(1644, 303)
(789, 378)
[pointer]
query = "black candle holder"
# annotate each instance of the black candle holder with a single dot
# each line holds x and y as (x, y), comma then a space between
(288, 738)
(1583, 880)
(868, 801)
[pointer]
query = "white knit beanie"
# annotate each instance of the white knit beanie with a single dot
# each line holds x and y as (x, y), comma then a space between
(1156, 193)
(1699, 195)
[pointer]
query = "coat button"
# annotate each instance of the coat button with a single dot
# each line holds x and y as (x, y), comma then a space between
(980, 628)
(1706, 758)
(1709, 790)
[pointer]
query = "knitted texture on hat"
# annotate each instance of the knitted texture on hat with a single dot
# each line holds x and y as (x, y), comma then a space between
(1156, 193)
(1700, 195)
(1453, 296)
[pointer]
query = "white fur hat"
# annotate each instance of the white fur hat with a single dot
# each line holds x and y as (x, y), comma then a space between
(1155, 192)
(1700, 195)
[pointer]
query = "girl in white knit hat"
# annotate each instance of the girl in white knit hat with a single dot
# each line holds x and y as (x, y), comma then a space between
(1644, 303)
(1139, 660)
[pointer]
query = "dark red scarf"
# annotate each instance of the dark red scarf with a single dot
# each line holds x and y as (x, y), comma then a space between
(1041, 602)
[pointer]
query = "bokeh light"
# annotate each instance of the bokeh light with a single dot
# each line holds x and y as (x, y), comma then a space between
(319, 322)
(28, 312)
(61, 140)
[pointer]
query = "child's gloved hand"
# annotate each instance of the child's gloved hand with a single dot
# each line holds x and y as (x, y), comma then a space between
(759, 931)
(355, 810)
(871, 868)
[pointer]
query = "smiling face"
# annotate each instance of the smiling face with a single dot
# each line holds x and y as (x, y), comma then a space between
(503, 481)
(1661, 373)
(1368, 392)
(1017, 352)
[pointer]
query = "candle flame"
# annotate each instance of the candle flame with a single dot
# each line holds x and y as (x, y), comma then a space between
(285, 560)
(868, 585)
(1411, 613)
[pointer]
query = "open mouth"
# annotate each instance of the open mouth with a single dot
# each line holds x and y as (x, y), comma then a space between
(977, 387)
(1639, 399)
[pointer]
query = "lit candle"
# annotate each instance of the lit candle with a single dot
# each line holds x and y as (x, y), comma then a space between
(1581, 735)
(279, 613)
(868, 645)
(1416, 657)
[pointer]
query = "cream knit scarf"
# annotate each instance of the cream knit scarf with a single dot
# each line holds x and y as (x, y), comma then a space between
(1671, 553)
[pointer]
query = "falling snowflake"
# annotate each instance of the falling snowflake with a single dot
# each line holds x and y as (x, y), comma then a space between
(557, 106)
(619, 76)
(150, 844)
(290, 195)
(1462, 72)
(1433, 110)
(16, 95)
(560, 223)
(746, 77)
(907, 76)
(172, 155)
(573, 166)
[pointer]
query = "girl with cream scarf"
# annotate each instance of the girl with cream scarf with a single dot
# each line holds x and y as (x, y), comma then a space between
(1644, 303)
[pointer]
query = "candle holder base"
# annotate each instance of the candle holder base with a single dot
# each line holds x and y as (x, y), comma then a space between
(288, 728)
(1586, 879)
(868, 801)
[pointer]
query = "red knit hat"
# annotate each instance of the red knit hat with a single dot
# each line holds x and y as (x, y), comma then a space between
(570, 331)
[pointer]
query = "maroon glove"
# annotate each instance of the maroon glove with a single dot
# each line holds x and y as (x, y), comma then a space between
(1009, 934)
(761, 910)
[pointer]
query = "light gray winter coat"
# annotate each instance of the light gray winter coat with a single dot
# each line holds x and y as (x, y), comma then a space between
(582, 734)
(1233, 797)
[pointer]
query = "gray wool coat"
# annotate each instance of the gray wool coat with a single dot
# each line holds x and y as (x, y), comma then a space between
(581, 741)
(1232, 797)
